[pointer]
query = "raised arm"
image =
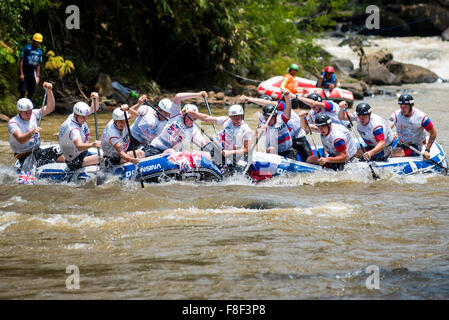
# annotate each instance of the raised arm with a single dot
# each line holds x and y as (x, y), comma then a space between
(93, 96)
(258, 101)
(50, 107)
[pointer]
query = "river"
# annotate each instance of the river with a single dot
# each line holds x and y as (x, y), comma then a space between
(307, 237)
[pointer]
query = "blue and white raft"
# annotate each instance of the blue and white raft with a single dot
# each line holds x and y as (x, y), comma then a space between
(177, 166)
(265, 166)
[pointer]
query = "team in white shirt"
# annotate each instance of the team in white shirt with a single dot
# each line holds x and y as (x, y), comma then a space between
(171, 128)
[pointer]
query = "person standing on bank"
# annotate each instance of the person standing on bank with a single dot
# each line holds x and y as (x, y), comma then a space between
(29, 66)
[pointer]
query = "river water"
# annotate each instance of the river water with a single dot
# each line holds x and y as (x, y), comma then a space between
(306, 237)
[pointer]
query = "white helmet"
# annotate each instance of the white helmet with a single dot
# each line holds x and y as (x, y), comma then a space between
(81, 109)
(190, 107)
(235, 110)
(165, 105)
(118, 114)
(24, 104)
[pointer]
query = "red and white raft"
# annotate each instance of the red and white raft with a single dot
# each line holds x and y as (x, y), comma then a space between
(272, 88)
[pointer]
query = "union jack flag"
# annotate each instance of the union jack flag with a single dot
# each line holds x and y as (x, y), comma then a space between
(26, 177)
(185, 160)
(175, 131)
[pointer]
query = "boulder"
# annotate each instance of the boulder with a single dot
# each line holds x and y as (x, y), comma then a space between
(104, 85)
(342, 65)
(358, 88)
(374, 71)
(410, 73)
(445, 35)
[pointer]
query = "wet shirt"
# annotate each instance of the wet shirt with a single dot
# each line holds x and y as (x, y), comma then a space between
(338, 140)
(17, 123)
(412, 129)
(70, 131)
(147, 125)
(231, 137)
(375, 131)
(111, 136)
(331, 109)
(278, 135)
(177, 135)
(296, 131)
(31, 57)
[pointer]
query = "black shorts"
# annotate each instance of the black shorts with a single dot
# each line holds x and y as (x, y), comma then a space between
(290, 153)
(151, 151)
(43, 156)
(134, 144)
(302, 146)
(77, 163)
(112, 161)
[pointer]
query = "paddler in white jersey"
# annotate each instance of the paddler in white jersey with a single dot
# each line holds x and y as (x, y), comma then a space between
(411, 125)
(23, 128)
(74, 136)
(278, 130)
(337, 142)
(374, 130)
(234, 138)
(319, 106)
(115, 140)
(149, 123)
(298, 135)
(180, 131)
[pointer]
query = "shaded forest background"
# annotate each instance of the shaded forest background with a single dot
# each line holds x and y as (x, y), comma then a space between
(169, 44)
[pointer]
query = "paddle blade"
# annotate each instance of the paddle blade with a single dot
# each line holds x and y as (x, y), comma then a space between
(26, 177)
(29, 163)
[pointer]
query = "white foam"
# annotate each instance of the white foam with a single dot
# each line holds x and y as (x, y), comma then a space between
(6, 225)
(427, 52)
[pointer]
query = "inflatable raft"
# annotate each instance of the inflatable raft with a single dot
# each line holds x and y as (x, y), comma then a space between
(265, 166)
(272, 88)
(176, 166)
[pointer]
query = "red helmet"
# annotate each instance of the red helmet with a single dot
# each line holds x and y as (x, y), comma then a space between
(329, 69)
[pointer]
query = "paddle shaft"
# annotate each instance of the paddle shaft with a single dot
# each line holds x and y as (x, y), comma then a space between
(311, 136)
(375, 176)
(260, 134)
(38, 124)
(422, 154)
(134, 151)
(96, 130)
(210, 113)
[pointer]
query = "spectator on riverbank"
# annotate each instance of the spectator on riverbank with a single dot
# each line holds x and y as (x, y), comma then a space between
(29, 66)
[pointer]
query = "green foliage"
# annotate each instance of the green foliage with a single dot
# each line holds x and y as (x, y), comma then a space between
(58, 65)
(166, 39)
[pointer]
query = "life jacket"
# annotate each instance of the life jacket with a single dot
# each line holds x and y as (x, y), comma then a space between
(326, 82)
(292, 83)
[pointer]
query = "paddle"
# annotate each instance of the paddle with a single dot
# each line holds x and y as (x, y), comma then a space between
(197, 125)
(30, 164)
(351, 126)
(259, 135)
(422, 154)
(210, 113)
(101, 176)
(134, 151)
(311, 136)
